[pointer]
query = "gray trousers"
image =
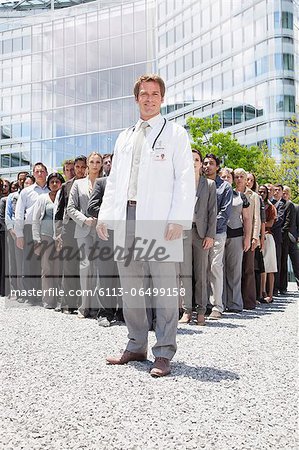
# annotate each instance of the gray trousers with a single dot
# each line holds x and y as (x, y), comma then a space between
(51, 272)
(108, 279)
(70, 280)
(216, 271)
(196, 261)
(15, 258)
(164, 276)
(88, 275)
(233, 256)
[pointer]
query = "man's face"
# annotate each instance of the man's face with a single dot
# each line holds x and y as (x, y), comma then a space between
(286, 194)
(210, 167)
(21, 178)
(68, 171)
(277, 193)
(262, 192)
(149, 99)
(240, 180)
(107, 165)
(270, 190)
(80, 168)
(5, 188)
(40, 175)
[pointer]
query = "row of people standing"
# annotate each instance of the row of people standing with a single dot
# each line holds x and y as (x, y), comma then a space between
(231, 255)
(230, 259)
(51, 238)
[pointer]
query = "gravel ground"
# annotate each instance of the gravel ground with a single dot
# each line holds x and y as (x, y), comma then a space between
(233, 384)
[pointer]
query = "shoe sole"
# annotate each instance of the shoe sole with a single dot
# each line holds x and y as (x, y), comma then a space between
(156, 375)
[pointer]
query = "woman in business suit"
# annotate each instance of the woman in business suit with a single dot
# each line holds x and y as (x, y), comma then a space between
(237, 242)
(85, 232)
(197, 243)
(44, 245)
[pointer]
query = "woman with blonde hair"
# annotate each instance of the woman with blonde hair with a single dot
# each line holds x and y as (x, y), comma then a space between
(85, 232)
(237, 242)
(248, 275)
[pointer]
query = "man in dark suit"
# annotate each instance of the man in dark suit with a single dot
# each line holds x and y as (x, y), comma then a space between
(289, 242)
(107, 163)
(111, 305)
(276, 230)
(64, 235)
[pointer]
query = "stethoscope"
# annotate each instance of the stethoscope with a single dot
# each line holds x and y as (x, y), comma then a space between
(158, 135)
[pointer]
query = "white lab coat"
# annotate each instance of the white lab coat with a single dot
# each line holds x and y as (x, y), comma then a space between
(165, 188)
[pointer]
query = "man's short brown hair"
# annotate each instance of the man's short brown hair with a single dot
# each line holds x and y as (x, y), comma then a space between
(146, 78)
(67, 162)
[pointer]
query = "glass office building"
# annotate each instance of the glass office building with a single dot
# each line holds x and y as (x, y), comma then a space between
(66, 73)
(67, 78)
(233, 58)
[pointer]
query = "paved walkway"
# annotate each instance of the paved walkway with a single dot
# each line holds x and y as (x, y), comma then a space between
(233, 385)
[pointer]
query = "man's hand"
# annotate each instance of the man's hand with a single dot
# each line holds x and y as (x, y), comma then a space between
(254, 244)
(102, 231)
(58, 243)
(173, 231)
(207, 243)
(246, 244)
(13, 234)
(90, 221)
(20, 243)
(37, 248)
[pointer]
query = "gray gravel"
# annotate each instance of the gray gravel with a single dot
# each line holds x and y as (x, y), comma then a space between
(233, 384)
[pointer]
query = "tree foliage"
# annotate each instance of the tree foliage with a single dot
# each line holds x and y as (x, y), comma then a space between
(207, 138)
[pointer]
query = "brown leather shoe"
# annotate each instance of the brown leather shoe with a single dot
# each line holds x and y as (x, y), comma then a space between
(161, 367)
(186, 318)
(125, 358)
(201, 320)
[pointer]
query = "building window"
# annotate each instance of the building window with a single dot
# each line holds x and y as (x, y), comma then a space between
(5, 161)
(285, 103)
(261, 66)
(284, 61)
(170, 37)
(249, 112)
(283, 19)
(238, 115)
(289, 103)
(288, 61)
(188, 62)
(227, 118)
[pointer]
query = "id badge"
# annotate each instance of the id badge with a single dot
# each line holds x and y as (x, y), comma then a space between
(159, 153)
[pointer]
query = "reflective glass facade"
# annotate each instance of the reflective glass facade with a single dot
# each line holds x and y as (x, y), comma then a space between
(236, 59)
(66, 75)
(67, 78)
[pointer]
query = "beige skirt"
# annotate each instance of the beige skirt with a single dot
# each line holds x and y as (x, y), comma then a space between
(269, 254)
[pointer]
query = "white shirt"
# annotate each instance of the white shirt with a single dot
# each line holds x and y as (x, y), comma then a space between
(25, 206)
(132, 189)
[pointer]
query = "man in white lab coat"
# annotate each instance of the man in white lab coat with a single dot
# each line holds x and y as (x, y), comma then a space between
(148, 201)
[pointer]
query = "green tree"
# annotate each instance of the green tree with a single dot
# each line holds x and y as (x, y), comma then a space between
(208, 139)
(289, 163)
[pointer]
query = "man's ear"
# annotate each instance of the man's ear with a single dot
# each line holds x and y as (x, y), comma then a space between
(162, 100)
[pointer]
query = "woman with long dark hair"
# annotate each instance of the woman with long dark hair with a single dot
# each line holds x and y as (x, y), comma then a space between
(269, 252)
(44, 244)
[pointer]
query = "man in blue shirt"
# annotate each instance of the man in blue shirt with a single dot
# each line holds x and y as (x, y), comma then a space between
(211, 167)
(23, 225)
